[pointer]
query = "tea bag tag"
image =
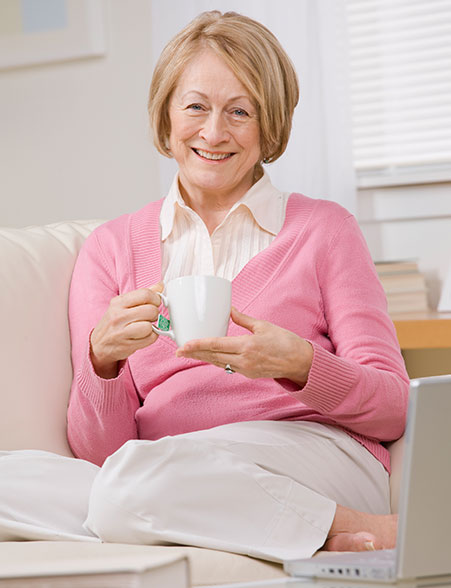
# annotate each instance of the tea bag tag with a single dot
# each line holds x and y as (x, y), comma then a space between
(163, 324)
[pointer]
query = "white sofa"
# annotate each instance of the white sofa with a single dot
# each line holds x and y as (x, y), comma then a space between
(35, 269)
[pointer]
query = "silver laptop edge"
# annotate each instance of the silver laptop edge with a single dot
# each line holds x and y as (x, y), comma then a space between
(423, 547)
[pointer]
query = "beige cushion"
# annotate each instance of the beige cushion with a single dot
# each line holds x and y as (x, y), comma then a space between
(35, 270)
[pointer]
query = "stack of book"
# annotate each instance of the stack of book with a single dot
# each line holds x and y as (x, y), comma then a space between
(404, 285)
(66, 564)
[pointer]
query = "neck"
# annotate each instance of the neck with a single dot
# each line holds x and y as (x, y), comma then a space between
(213, 205)
(211, 212)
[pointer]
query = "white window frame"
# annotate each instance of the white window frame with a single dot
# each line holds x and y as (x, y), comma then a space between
(377, 31)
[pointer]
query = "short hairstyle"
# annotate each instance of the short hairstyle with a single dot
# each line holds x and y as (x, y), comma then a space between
(254, 55)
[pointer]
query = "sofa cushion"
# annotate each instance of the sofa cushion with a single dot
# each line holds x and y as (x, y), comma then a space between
(36, 265)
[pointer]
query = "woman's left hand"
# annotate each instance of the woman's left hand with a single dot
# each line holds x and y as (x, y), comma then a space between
(268, 352)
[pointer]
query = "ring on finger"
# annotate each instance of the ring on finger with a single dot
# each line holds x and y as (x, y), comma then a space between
(228, 369)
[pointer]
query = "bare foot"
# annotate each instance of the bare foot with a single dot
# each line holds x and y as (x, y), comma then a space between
(361, 541)
(352, 530)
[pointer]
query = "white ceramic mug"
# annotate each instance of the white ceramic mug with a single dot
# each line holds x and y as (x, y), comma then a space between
(199, 307)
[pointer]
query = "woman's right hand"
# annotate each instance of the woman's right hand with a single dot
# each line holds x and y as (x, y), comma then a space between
(125, 327)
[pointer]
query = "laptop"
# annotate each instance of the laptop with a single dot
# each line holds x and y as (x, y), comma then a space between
(423, 547)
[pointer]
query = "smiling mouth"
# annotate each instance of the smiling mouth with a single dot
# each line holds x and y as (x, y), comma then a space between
(212, 156)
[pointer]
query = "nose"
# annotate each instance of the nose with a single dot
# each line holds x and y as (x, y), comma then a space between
(215, 129)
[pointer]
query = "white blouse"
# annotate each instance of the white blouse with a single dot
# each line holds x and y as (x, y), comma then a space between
(250, 225)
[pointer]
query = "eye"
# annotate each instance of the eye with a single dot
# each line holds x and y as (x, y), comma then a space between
(239, 112)
(195, 107)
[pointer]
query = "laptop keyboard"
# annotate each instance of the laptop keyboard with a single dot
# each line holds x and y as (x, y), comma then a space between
(360, 557)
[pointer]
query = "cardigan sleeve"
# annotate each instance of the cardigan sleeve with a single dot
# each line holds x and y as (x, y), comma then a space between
(101, 413)
(363, 385)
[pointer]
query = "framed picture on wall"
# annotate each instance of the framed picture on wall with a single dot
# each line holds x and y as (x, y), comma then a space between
(34, 32)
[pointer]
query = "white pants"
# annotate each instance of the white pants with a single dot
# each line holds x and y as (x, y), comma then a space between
(44, 496)
(264, 488)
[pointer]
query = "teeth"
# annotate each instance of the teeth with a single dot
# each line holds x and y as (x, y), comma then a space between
(209, 155)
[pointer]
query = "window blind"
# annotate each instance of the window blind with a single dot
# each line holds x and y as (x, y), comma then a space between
(400, 83)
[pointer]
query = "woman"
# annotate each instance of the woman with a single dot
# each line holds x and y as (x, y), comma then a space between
(284, 456)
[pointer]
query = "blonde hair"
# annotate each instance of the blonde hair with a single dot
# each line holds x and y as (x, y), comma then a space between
(256, 58)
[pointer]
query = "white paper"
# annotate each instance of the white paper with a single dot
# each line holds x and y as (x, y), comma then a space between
(445, 297)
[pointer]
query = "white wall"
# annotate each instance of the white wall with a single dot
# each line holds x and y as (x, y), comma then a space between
(74, 138)
(410, 222)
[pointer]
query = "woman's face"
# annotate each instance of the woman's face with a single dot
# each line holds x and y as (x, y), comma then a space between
(215, 133)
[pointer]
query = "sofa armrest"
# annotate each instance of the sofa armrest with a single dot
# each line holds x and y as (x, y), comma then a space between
(35, 271)
(396, 449)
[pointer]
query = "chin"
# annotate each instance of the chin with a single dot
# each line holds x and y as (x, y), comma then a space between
(214, 180)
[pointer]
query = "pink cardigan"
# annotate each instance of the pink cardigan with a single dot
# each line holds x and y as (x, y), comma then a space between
(316, 279)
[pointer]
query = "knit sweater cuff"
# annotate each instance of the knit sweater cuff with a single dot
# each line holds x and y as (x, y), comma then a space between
(107, 396)
(330, 380)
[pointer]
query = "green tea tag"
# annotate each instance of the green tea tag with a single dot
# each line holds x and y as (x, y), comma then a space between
(164, 324)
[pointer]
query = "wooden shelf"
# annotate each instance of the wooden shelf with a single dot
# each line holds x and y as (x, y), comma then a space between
(425, 330)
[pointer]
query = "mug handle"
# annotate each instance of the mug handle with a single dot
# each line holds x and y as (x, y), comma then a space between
(168, 332)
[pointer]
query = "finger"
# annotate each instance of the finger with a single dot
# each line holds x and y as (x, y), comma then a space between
(137, 298)
(144, 312)
(135, 344)
(217, 359)
(138, 330)
(223, 359)
(229, 345)
(244, 320)
(157, 288)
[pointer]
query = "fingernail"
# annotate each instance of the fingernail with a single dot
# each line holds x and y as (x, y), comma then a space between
(369, 546)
